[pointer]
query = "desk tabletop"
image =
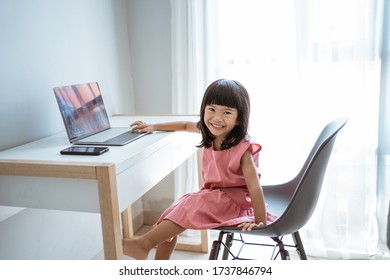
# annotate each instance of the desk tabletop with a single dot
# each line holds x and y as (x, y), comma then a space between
(48, 149)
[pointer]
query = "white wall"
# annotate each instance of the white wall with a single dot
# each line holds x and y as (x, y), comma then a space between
(47, 43)
(150, 47)
(50, 43)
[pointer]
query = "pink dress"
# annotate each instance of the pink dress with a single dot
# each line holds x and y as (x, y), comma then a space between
(224, 198)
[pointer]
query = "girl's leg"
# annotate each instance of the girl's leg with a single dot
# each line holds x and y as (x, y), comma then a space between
(165, 249)
(139, 248)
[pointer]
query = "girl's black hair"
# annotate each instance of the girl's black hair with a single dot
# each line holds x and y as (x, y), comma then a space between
(231, 94)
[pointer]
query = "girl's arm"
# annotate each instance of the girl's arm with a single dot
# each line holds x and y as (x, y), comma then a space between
(142, 127)
(255, 191)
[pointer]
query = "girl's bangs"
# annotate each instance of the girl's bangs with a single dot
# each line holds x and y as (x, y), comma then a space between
(220, 96)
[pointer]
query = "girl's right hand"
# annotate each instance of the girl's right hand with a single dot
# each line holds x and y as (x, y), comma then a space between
(250, 226)
(141, 127)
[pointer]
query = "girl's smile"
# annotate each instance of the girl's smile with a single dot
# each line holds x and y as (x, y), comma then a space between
(217, 126)
(220, 120)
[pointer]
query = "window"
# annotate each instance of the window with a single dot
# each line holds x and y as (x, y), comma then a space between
(304, 65)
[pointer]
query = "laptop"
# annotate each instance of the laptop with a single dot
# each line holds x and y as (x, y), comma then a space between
(85, 117)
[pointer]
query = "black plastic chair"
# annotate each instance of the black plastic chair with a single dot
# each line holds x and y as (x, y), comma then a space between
(293, 202)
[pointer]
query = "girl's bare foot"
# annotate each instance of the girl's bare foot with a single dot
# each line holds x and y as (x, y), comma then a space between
(134, 249)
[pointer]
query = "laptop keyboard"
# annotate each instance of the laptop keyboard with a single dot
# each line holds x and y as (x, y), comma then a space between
(122, 137)
(107, 135)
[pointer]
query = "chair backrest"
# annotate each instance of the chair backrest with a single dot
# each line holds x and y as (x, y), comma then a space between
(307, 184)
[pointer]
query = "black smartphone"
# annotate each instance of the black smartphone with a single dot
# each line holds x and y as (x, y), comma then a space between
(84, 150)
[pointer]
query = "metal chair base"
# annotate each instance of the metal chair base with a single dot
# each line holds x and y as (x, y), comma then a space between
(279, 248)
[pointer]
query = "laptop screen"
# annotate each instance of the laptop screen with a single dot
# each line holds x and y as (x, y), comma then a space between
(82, 109)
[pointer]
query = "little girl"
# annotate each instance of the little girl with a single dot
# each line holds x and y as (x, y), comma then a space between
(231, 194)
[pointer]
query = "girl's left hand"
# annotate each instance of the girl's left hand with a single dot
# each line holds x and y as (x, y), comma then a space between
(141, 127)
(250, 226)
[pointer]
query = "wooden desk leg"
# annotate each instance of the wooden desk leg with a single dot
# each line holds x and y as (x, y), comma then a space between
(109, 211)
(204, 243)
(127, 223)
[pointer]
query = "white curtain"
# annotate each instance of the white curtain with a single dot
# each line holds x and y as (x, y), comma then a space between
(187, 51)
(383, 192)
(188, 82)
(188, 73)
(304, 65)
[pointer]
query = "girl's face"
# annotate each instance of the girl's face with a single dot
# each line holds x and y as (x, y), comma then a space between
(220, 120)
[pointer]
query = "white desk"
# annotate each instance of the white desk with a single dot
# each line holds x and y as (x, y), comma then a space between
(36, 175)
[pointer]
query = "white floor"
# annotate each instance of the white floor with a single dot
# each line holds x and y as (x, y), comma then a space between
(249, 251)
